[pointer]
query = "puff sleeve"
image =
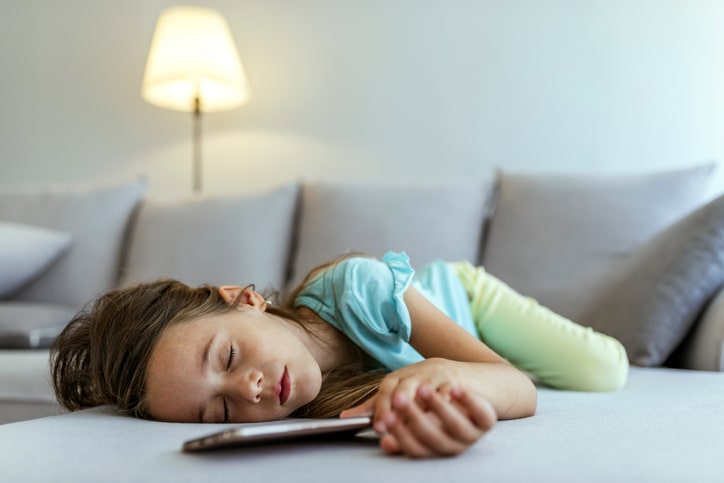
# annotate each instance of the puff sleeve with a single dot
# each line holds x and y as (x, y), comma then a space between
(364, 298)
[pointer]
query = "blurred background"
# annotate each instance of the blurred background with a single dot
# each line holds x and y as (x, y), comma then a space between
(368, 89)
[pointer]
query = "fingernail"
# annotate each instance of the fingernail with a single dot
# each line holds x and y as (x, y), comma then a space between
(390, 420)
(384, 423)
(424, 392)
(400, 401)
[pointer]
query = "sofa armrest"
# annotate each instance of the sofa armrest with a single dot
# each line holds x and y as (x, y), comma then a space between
(704, 348)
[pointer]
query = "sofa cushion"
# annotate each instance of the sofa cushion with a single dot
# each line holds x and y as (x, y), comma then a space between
(656, 295)
(559, 239)
(214, 239)
(25, 251)
(96, 217)
(428, 221)
(25, 325)
(665, 427)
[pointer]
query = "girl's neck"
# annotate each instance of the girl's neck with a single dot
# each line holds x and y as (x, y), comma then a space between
(330, 347)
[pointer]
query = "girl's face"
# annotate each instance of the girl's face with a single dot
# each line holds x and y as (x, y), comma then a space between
(241, 366)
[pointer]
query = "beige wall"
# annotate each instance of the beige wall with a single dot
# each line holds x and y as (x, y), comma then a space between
(369, 88)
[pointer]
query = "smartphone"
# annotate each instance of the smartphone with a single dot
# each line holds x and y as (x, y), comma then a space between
(278, 431)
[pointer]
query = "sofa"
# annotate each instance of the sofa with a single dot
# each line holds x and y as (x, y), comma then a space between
(638, 256)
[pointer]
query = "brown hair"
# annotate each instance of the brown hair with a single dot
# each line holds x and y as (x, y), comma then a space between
(101, 357)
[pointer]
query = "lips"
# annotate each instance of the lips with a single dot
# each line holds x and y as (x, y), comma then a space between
(284, 387)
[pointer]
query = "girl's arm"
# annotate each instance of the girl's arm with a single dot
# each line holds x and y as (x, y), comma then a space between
(468, 362)
(445, 403)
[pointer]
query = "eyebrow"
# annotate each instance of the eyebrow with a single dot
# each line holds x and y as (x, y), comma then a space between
(204, 364)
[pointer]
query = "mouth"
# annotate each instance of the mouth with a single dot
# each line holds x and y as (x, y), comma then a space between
(284, 387)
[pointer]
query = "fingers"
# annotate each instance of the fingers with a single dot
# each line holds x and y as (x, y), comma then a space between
(392, 391)
(382, 405)
(433, 425)
(403, 383)
(479, 410)
(419, 434)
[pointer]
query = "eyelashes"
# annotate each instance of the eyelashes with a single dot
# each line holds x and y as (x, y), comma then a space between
(232, 356)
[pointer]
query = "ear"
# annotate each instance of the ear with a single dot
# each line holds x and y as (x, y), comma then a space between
(243, 296)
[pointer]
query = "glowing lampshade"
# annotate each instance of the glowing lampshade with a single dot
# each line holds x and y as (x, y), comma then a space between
(193, 59)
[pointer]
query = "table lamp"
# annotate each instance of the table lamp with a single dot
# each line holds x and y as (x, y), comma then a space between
(193, 66)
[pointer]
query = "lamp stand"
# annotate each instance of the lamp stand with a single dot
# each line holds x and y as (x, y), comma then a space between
(197, 145)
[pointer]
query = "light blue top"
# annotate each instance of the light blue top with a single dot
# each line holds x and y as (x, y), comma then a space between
(363, 298)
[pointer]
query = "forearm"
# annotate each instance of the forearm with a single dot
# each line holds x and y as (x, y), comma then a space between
(466, 361)
(509, 391)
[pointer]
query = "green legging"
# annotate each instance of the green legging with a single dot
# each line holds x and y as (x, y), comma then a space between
(553, 349)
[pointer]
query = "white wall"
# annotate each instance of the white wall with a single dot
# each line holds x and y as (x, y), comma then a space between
(369, 88)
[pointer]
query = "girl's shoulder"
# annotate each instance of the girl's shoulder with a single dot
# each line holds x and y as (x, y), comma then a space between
(363, 269)
(359, 276)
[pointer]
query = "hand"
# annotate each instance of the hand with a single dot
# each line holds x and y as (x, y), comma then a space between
(419, 411)
(432, 425)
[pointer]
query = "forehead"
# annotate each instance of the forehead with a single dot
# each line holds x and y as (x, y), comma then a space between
(173, 377)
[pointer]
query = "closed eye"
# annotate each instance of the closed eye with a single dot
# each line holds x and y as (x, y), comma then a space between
(232, 355)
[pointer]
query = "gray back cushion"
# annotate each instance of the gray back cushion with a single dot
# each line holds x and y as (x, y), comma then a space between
(429, 221)
(656, 295)
(97, 219)
(232, 239)
(559, 239)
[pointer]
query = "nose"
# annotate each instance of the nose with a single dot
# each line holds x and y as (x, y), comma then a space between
(247, 385)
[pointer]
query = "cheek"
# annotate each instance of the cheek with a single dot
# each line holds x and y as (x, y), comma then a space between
(310, 386)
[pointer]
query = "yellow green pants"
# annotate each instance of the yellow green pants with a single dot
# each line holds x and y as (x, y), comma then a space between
(556, 351)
